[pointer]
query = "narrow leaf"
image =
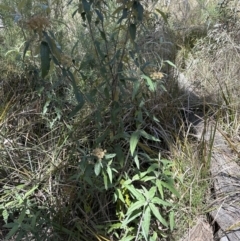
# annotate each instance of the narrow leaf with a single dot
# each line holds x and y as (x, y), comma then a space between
(124, 15)
(55, 51)
(45, 58)
(157, 214)
(128, 238)
(139, 10)
(5, 215)
(131, 217)
(148, 178)
(164, 15)
(135, 192)
(152, 192)
(74, 13)
(170, 63)
(28, 193)
(109, 171)
(171, 219)
(136, 160)
(160, 189)
(151, 85)
(97, 167)
(86, 6)
(132, 31)
(135, 206)
(170, 188)
(110, 156)
(27, 45)
(146, 222)
(159, 201)
(77, 93)
(136, 86)
(105, 180)
(133, 141)
(12, 232)
(103, 35)
(119, 195)
(148, 136)
(99, 14)
(76, 110)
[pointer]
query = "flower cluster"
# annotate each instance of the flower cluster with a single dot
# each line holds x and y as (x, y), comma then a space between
(38, 23)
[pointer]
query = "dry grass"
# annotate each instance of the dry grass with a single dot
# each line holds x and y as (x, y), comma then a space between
(34, 148)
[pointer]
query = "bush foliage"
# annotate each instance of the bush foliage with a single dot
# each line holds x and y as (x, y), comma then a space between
(93, 142)
(80, 164)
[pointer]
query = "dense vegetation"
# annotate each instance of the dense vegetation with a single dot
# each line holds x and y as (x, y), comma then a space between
(94, 138)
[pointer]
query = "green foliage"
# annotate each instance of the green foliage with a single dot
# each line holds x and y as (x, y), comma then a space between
(108, 89)
(142, 199)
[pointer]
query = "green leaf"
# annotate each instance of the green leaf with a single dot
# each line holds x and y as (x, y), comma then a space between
(45, 107)
(139, 176)
(76, 110)
(148, 178)
(5, 215)
(97, 167)
(99, 50)
(164, 15)
(128, 238)
(157, 214)
(103, 35)
(151, 85)
(86, 6)
(171, 219)
(119, 195)
(9, 225)
(74, 13)
(146, 222)
(27, 45)
(134, 141)
(160, 189)
(139, 10)
(148, 136)
(34, 219)
(135, 192)
(12, 231)
(135, 206)
(77, 93)
(170, 63)
(170, 188)
(28, 193)
(136, 86)
(45, 58)
(22, 216)
(99, 14)
(124, 15)
(55, 51)
(131, 216)
(136, 160)
(132, 31)
(105, 180)
(160, 202)
(154, 237)
(152, 192)
(109, 156)
(109, 171)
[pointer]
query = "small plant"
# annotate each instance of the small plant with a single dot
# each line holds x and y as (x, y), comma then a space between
(142, 202)
(91, 170)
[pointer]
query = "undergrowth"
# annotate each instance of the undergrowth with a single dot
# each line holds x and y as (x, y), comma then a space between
(94, 139)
